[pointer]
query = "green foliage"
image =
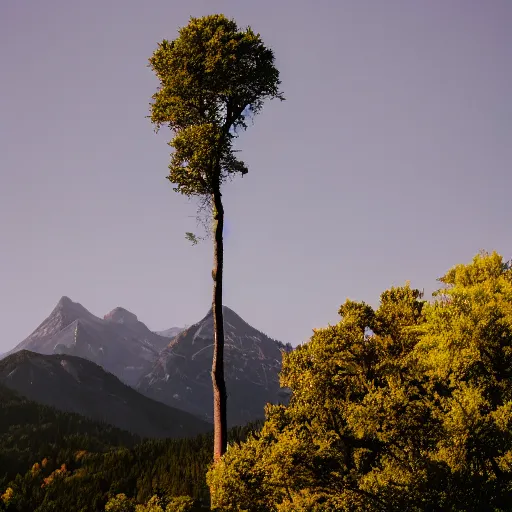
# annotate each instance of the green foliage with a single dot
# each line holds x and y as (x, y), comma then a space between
(466, 351)
(120, 503)
(180, 504)
(30, 432)
(211, 78)
(191, 238)
(173, 504)
(7, 497)
(153, 505)
(53, 461)
(406, 407)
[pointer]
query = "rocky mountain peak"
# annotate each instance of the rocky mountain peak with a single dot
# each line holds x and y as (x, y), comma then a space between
(181, 376)
(121, 316)
(119, 342)
(65, 301)
(68, 311)
(63, 314)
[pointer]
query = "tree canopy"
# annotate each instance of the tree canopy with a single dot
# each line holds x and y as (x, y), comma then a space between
(405, 407)
(213, 77)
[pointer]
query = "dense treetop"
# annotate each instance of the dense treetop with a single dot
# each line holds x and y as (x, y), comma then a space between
(213, 77)
(406, 407)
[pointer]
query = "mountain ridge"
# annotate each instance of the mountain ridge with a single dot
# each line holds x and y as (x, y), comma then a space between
(119, 342)
(175, 371)
(73, 384)
(181, 375)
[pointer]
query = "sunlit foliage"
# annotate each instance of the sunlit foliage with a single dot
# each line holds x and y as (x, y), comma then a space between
(406, 407)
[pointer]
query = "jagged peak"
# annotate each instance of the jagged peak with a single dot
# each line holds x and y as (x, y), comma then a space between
(229, 316)
(232, 320)
(232, 313)
(225, 310)
(68, 311)
(121, 316)
(65, 303)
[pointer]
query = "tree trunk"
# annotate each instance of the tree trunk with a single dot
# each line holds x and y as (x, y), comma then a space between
(219, 386)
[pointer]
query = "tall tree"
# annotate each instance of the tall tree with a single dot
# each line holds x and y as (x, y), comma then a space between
(213, 78)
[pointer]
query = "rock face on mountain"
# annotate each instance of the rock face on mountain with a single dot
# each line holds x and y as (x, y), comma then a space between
(131, 323)
(74, 384)
(181, 376)
(118, 342)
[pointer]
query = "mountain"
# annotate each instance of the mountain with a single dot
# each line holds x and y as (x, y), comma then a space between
(76, 385)
(119, 342)
(171, 332)
(130, 322)
(181, 376)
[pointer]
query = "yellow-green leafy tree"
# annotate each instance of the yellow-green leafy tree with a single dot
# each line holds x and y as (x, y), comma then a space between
(6, 498)
(466, 353)
(121, 503)
(406, 407)
(213, 78)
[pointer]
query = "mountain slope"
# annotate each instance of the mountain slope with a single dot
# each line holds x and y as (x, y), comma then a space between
(76, 385)
(181, 376)
(118, 342)
(30, 432)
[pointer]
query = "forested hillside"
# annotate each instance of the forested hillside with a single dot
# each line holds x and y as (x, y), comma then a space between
(30, 432)
(54, 461)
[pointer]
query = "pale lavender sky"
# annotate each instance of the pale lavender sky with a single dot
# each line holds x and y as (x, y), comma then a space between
(390, 160)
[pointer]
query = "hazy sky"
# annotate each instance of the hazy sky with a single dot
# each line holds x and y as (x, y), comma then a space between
(389, 160)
